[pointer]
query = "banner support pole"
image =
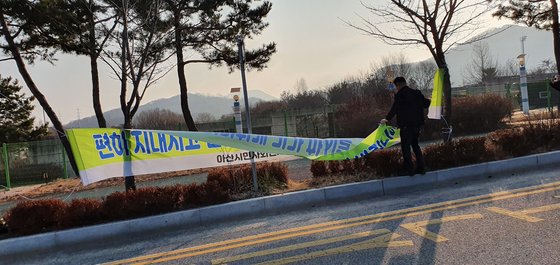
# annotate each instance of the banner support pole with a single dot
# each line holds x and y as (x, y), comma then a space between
(241, 48)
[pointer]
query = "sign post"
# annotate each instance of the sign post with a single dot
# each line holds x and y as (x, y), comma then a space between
(241, 48)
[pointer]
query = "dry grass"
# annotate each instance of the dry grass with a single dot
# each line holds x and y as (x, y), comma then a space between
(337, 179)
(74, 184)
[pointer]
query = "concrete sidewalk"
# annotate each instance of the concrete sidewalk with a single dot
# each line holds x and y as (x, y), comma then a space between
(276, 203)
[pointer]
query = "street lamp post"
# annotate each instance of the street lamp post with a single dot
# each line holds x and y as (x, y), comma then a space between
(523, 84)
(237, 111)
(241, 49)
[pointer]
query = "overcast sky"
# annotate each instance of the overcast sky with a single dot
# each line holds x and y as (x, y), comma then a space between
(313, 43)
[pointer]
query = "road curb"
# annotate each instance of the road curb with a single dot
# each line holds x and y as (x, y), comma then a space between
(275, 203)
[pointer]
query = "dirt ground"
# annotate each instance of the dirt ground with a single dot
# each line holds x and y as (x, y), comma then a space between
(74, 184)
(298, 172)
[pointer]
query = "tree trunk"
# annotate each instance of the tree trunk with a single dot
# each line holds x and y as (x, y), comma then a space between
(129, 182)
(102, 123)
(185, 98)
(440, 61)
(556, 34)
(95, 92)
(447, 95)
(36, 93)
(182, 78)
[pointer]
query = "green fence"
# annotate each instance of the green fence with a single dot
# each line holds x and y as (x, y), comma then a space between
(540, 94)
(316, 122)
(33, 163)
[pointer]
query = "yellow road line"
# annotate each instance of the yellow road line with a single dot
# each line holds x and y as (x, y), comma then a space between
(379, 220)
(169, 258)
(296, 229)
(272, 236)
(541, 209)
(300, 246)
(515, 215)
(524, 214)
(379, 242)
(418, 227)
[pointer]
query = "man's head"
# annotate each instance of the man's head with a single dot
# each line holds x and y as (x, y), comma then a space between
(399, 82)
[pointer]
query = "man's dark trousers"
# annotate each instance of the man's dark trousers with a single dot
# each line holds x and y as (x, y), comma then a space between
(409, 138)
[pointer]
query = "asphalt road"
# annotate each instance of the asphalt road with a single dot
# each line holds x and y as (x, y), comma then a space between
(508, 220)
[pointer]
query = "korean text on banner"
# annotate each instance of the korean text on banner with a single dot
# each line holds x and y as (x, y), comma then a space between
(106, 153)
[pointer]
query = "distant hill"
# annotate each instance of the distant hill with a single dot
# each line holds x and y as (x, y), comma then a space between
(198, 103)
(504, 44)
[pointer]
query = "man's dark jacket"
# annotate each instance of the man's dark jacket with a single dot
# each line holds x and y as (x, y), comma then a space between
(409, 107)
(555, 85)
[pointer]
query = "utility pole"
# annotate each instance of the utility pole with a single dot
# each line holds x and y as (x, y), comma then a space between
(241, 50)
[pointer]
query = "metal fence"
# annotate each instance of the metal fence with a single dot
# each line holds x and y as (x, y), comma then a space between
(316, 122)
(540, 94)
(33, 163)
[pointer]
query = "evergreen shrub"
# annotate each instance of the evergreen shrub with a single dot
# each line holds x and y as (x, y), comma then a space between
(30, 217)
(82, 212)
(319, 168)
(239, 179)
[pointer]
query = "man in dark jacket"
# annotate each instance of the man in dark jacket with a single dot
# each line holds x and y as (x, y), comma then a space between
(409, 107)
(556, 85)
(556, 82)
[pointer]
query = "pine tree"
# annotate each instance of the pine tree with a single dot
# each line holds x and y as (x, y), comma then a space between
(16, 122)
(209, 29)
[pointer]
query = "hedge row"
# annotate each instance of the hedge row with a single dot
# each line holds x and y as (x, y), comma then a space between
(36, 216)
(536, 137)
(239, 180)
(471, 115)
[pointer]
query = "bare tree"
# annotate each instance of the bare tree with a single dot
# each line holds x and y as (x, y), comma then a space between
(204, 117)
(263, 108)
(483, 67)
(138, 54)
(307, 99)
(423, 75)
(391, 66)
(509, 68)
(545, 67)
(419, 75)
(436, 24)
(159, 119)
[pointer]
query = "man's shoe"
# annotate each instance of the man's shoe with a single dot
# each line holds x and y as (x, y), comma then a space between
(420, 171)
